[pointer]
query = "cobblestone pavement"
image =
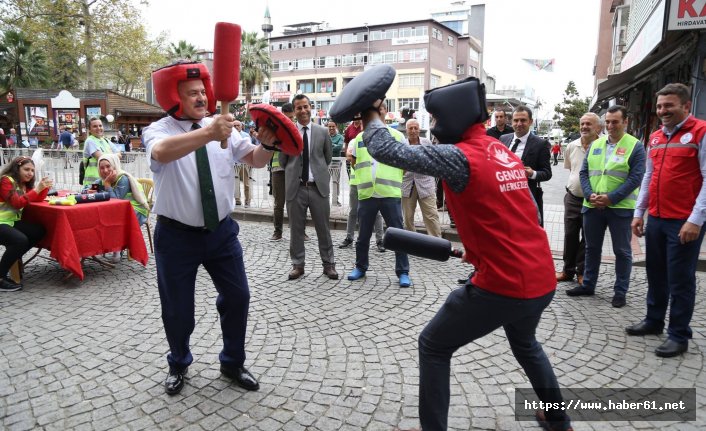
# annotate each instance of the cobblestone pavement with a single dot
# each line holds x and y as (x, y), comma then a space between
(330, 355)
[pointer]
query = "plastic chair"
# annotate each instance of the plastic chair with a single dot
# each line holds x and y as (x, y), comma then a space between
(148, 188)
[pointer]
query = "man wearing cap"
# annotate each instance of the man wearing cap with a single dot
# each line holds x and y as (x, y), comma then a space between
(483, 181)
(194, 180)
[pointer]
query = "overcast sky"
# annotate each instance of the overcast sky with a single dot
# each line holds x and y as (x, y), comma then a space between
(566, 30)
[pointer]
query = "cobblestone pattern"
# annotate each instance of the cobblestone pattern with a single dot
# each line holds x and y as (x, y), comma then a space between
(330, 355)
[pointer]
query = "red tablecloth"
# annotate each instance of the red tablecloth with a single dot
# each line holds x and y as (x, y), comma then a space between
(86, 230)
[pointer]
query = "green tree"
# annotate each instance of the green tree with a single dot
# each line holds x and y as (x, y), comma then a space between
(21, 65)
(65, 40)
(183, 50)
(255, 62)
(91, 33)
(571, 109)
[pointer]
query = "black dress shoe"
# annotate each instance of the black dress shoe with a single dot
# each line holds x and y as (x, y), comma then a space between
(175, 382)
(618, 301)
(671, 348)
(643, 328)
(346, 243)
(580, 291)
(242, 377)
(381, 248)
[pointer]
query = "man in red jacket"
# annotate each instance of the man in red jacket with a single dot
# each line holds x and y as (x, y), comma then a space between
(673, 192)
(484, 182)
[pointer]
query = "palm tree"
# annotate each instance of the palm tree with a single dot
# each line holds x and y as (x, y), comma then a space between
(181, 51)
(20, 64)
(255, 62)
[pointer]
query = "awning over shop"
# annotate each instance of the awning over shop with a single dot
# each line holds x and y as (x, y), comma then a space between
(623, 82)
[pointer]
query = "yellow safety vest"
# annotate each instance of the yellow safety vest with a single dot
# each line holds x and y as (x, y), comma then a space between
(607, 175)
(388, 180)
(9, 214)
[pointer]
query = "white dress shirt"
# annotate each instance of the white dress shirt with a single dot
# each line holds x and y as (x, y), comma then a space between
(177, 192)
(308, 135)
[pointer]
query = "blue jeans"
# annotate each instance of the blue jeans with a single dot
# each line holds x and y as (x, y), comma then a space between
(595, 222)
(671, 274)
(391, 210)
(471, 313)
(178, 255)
(353, 217)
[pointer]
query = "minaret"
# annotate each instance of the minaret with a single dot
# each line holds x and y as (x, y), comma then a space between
(267, 25)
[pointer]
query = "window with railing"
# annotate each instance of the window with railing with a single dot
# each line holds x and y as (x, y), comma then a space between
(326, 85)
(411, 80)
(411, 103)
(434, 81)
(280, 85)
(305, 86)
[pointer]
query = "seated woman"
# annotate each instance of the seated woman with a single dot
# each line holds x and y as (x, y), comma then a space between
(121, 185)
(16, 191)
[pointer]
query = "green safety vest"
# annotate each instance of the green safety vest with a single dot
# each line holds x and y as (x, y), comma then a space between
(388, 180)
(351, 178)
(275, 159)
(607, 175)
(91, 163)
(135, 205)
(9, 214)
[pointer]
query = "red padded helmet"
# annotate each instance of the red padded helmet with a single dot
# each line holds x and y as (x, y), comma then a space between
(290, 141)
(166, 80)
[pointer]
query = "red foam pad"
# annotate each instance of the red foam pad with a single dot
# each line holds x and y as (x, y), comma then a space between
(226, 61)
(290, 140)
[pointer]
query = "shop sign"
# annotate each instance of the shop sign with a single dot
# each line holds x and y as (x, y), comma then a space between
(649, 37)
(687, 15)
(409, 40)
(279, 95)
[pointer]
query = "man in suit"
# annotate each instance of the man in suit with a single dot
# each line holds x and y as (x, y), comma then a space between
(307, 181)
(533, 151)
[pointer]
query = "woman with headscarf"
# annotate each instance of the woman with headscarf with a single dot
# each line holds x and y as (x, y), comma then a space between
(16, 191)
(122, 185)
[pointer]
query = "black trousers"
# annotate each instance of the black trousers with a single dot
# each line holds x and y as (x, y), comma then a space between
(18, 240)
(574, 242)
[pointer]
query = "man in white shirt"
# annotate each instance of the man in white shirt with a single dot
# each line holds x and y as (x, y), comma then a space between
(194, 185)
(574, 242)
(419, 188)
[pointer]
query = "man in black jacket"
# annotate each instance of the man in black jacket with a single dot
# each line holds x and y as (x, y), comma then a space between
(533, 151)
(501, 127)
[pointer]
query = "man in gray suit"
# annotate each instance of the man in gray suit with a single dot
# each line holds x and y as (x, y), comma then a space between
(307, 187)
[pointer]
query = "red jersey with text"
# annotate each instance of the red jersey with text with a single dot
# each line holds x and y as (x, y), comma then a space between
(676, 178)
(498, 223)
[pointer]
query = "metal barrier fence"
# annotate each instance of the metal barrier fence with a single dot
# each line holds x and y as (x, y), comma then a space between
(63, 167)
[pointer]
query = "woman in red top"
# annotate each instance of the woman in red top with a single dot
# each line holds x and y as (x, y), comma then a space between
(16, 191)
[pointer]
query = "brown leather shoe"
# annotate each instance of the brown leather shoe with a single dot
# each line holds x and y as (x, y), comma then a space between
(330, 272)
(562, 276)
(296, 272)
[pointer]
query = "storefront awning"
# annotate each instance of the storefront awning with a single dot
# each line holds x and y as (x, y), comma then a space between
(623, 82)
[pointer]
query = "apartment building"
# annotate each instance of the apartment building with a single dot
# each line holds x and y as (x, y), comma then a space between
(312, 59)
